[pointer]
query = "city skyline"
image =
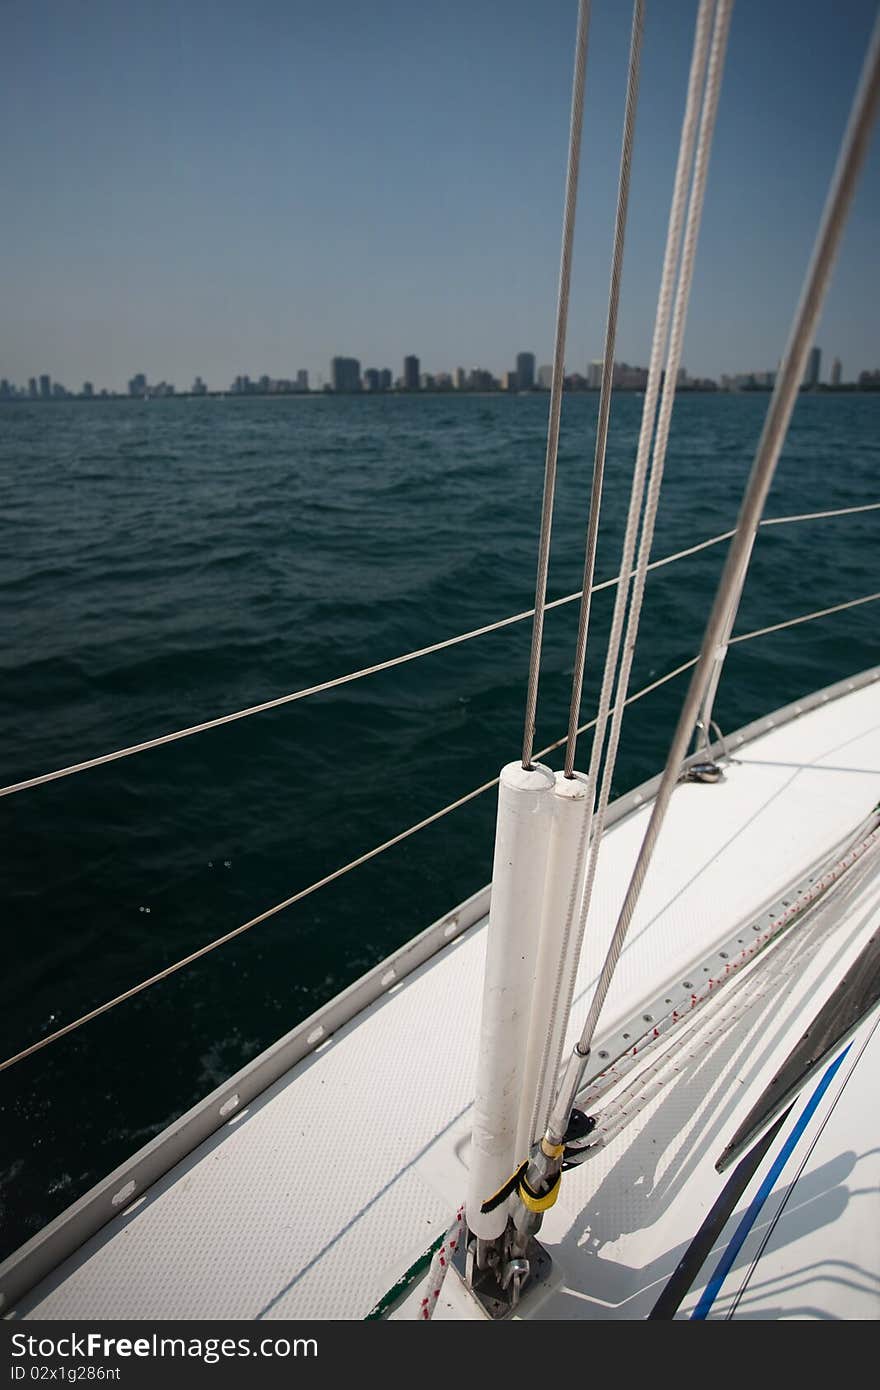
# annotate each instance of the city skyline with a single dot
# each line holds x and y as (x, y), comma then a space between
(347, 376)
(276, 197)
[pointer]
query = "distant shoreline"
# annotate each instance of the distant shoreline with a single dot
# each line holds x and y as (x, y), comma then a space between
(849, 389)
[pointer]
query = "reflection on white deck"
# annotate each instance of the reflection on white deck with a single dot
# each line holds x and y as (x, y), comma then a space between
(314, 1199)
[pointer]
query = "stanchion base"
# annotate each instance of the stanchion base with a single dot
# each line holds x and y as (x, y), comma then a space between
(484, 1285)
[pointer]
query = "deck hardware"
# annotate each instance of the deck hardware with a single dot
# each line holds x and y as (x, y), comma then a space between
(503, 1283)
(703, 772)
(514, 1275)
(580, 1127)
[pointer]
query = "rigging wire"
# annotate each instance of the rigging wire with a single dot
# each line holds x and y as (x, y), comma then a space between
(684, 218)
(629, 122)
(679, 315)
(336, 681)
(852, 154)
(387, 844)
(556, 383)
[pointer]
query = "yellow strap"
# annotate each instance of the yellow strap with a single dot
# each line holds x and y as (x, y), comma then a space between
(552, 1150)
(539, 1202)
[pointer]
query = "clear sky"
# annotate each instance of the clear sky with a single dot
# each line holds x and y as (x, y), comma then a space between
(215, 188)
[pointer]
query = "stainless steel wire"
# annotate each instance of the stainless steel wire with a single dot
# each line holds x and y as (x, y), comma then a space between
(629, 124)
(571, 185)
(573, 927)
(336, 681)
(389, 844)
(851, 158)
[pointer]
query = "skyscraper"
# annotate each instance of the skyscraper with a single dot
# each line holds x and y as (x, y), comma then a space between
(32, 388)
(371, 379)
(814, 362)
(525, 370)
(345, 374)
(410, 374)
(836, 370)
(545, 378)
(302, 380)
(45, 387)
(594, 375)
(385, 379)
(137, 386)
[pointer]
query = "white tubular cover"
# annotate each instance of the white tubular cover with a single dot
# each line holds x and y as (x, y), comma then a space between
(522, 836)
(554, 968)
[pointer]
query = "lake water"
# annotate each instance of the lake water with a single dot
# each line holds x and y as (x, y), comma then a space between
(169, 561)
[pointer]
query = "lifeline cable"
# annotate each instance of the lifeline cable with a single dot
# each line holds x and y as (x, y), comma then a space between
(336, 681)
(377, 850)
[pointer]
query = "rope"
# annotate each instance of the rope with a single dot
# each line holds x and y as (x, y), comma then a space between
(380, 849)
(632, 97)
(399, 1289)
(852, 154)
(440, 1267)
(563, 989)
(658, 1038)
(571, 183)
(336, 681)
(743, 992)
(713, 83)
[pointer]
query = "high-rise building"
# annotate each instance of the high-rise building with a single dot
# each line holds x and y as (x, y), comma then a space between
(836, 370)
(629, 378)
(45, 387)
(814, 363)
(385, 379)
(545, 378)
(345, 374)
(302, 380)
(371, 379)
(88, 390)
(410, 374)
(32, 388)
(525, 370)
(594, 375)
(510, 381)
(138, 385)
(460, 379)
(199, 388)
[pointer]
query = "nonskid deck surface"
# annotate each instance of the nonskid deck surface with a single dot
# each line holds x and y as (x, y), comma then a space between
(313, 1200)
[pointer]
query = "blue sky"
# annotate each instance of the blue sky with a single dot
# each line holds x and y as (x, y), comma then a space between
(218, 188)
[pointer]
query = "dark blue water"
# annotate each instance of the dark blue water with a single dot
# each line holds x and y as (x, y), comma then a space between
(170, 561)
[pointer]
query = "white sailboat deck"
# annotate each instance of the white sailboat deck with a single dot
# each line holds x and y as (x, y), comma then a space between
(316, 1196)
